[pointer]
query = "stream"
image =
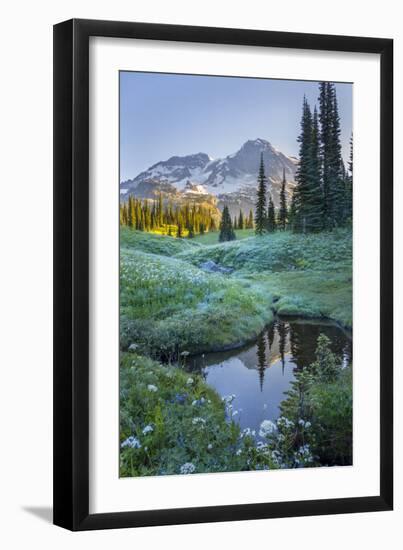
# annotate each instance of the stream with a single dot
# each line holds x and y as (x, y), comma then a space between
(260, 372)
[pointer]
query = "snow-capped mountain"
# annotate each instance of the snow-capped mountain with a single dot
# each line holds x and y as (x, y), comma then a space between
(232, 179)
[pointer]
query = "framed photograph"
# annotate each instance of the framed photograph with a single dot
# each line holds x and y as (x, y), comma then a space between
(223, 321)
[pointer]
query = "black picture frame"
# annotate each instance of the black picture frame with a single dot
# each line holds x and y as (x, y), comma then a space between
(71, 274)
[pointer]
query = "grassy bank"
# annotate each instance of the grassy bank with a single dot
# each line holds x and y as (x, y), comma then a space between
(309, 275)
(169, 307)
(212, 237)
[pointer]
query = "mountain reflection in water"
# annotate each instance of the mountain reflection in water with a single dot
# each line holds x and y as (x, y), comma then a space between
(260, 372)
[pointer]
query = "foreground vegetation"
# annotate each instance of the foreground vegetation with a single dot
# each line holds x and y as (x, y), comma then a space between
(173, 423)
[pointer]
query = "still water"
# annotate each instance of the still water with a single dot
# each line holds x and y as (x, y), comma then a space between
(259, 373)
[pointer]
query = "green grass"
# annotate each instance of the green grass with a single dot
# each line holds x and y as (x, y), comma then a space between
(309, 275)
(212, 237)
(186, 422)
(280, 251)
(169, 306)
(154, 243)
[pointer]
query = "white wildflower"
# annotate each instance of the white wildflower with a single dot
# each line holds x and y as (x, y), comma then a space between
(198, 420)
(189, 381)
(187, 468)
(133, 347)
(148, 429)
(267, 427)
(209, 447)
(228, 399)
(285, 422)
(131, 442)
(152, 388)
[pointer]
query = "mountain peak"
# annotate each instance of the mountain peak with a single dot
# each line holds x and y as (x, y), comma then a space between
(258, 142)
(198, 173)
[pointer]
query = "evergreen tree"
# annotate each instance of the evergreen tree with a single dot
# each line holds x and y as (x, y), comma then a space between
(179, 233)
(202, 229)
(330, 149)
(271, 216)
(292, 213)
(282, 214)
(308, 201)
(191, 232)
(349, 186)
(260, 211)
(241, 222)
(131, 217)
(235, 224)
(250, 220)
(315, 221)
(226, 230)
(302, 190)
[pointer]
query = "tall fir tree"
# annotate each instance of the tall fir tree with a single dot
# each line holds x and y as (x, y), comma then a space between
(315, 221)
(349, 186)
(227, 232)
(250, 219)
(292, 213)
(282, 213)
(241, 222)
(303, 175)
(331, 161)
(131, 216)
(260, 211)
(271, 216)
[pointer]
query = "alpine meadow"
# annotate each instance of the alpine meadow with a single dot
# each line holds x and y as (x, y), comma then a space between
(235, 274)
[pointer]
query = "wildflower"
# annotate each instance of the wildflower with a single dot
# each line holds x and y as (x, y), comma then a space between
(131, 442)
(267, 427)
(209, 447)
(148, 429)
(189, 381)
(239, 452)
(133, 347)
(187, 468)
(308, 424)
(285, 422)
(198, 420)
(152, 388)
(185, 353)
(228, 399)
(247, 432)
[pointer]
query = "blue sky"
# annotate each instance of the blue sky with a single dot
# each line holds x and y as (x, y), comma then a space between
(162, 115)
